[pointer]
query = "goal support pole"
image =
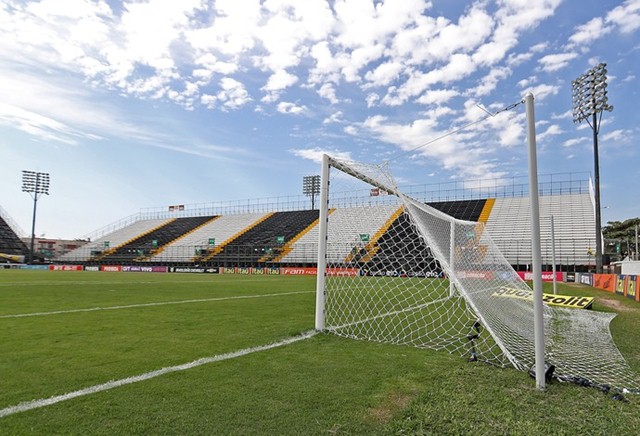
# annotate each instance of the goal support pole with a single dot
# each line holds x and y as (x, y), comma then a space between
(538, 316)
(322, 242)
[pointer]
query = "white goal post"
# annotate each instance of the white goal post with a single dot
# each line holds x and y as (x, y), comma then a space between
(393, 269)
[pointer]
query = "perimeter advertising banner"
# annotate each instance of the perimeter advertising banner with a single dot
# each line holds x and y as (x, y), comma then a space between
(136, 268)
(308, 271)
(632, 288)
(568, 301)
(605, 282)
(621, 285)
(193, 270)
(547, 276)
(66, 268)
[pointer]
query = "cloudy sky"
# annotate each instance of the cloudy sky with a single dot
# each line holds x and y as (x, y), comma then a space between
(138, 104)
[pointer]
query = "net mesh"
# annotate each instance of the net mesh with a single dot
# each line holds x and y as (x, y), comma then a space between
(402, 272)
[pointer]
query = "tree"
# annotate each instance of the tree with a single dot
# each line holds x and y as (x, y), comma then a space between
(620, 238)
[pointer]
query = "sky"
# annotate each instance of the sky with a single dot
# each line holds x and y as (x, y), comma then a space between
(131, 105)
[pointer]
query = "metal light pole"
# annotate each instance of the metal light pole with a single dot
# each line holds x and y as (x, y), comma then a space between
(35, 184)
(589, 98)
(311, 187)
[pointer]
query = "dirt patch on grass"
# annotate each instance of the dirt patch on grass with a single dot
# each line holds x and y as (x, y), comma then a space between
(615, 304)
(394, 403)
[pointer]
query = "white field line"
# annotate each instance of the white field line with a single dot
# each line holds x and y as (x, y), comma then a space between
(117, 282)
(163, 303)
(34, 404)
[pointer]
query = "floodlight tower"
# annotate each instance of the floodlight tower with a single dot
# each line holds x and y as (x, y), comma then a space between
(35, 184)
(311, 187)
(589, 99)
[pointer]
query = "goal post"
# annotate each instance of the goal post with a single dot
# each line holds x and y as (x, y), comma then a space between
(393, 269)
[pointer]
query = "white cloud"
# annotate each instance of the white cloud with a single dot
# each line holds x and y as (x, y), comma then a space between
(329, 92)
(589, 32)
(315, 154)
(279, 81)
(626, 16)
(336, 117)
(291, 108)
(555, 62)
(618, 135)
(552, 130)
(541, 91)
(489, 82)
(437, 96)
(384, 73)
(232, 95)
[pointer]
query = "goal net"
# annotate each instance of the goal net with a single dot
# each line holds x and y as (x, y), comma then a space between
(402, 272)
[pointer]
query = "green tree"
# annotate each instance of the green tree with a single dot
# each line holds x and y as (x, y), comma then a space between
(620, 238)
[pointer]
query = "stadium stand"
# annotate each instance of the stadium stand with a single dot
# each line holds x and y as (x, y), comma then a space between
(197, 244)
(574, 220)
(10, 243)
(95, 249)
(304, 251)
(273, 234)
(146, 244)
(264, 241)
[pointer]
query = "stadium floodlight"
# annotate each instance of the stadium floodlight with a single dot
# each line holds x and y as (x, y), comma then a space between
(36, 184)
(311, 187)
(589, 99)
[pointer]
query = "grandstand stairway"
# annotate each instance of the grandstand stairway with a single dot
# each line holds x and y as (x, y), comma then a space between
(385, 252)
(148, 243)
(266, 240)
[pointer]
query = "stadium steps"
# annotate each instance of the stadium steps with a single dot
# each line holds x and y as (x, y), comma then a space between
(218, 249)
(486, 210)
(112, 250)
(371, 247)
(286, 249)
(161, 248)
(144, 244)
(574, 218)
(346, 224)
(263, 239)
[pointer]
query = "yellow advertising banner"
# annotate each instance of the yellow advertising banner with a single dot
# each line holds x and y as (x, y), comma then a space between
(568, 301)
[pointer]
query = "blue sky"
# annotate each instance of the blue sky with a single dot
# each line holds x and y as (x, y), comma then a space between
(137, 104)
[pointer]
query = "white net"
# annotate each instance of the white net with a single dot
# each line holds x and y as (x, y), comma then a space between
(400, 271)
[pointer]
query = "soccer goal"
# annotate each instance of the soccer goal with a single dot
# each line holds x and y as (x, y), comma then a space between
(393, 269)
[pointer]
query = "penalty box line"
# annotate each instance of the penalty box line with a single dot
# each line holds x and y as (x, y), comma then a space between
(34, 404)
(162, 303)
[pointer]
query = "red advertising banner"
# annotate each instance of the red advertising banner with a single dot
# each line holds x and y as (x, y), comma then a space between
(111, 268)
(307, 271)
(605, 282)
(302, 271)
(547, 276)
(65, 268)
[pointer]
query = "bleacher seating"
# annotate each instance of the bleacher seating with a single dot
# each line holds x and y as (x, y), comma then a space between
(342, 233)
(291, 238)
(95, 249)
(147, 243)
(196, 244)
(574, 222)
(10, 243)
(264, 241)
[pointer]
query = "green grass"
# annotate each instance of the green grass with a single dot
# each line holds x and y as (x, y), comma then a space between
(322, 385)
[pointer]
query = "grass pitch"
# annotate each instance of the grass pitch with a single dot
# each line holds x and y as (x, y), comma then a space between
(64, 332)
